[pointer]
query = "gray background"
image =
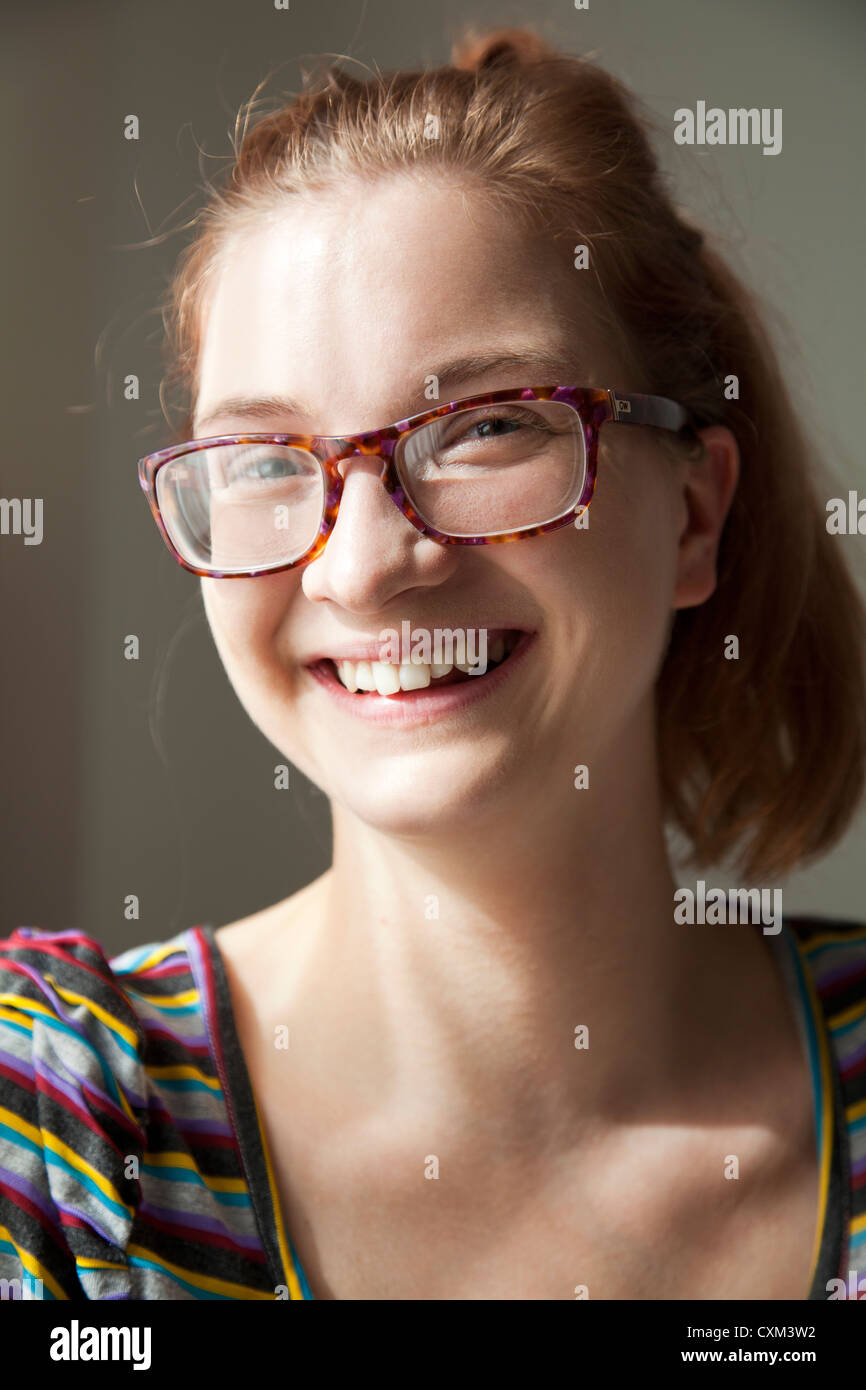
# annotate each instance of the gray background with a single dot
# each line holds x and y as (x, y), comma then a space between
(100, 797)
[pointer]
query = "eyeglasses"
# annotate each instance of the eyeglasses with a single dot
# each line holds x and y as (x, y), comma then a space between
(478, 471)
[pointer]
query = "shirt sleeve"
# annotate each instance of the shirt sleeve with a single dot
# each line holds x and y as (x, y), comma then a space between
(72, 1088)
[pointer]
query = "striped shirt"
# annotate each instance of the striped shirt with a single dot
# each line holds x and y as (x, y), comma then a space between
(134, 1164)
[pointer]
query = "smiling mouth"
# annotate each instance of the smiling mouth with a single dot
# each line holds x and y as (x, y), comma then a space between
(385, 678)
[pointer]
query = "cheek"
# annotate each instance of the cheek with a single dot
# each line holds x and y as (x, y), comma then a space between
(629, 596)
(245, 617)
(607, 592)
(633, 539)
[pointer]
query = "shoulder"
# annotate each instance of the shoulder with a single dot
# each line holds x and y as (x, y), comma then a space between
(73, 1103)
(64, 980)
(60, 994)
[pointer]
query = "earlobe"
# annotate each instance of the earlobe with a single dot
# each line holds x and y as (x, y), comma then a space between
(708, 487)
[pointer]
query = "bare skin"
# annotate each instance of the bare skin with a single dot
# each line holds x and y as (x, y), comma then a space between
(452, 1038)
(631, 1203)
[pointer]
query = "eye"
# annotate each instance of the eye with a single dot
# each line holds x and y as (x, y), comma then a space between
(476, 426)
(489, 428)
(263, 467)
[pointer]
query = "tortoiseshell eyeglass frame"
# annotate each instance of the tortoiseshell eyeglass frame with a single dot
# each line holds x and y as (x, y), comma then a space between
(594, 406)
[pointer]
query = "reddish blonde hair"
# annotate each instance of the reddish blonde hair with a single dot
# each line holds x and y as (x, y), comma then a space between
(763, 759)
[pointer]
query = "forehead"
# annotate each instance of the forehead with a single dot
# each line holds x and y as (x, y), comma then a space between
(347, 301)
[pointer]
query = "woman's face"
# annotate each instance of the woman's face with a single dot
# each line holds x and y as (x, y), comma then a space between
(348, 305)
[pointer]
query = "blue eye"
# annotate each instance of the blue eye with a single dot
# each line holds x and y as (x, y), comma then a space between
(265, 468)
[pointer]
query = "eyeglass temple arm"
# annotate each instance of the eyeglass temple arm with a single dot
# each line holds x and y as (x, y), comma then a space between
(635, 409)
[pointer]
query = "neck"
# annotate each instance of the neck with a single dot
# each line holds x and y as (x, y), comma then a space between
(454, 974)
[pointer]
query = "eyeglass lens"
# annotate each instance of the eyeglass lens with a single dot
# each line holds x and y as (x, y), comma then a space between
(478, 472)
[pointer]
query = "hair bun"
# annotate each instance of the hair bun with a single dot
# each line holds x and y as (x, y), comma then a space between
(475, 51)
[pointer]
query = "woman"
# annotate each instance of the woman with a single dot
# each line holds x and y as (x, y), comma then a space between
(487, 1054)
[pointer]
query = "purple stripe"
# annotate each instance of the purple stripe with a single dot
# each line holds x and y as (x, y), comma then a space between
(190, 1126)
(201, 1223)
(169, 963)
(51, 1208)
(850, 1058)
(85, 1085)
(43, 934)
(42, 1071)
(153, 1025)
(835, 972)
(91, 1222)
(157, 1107)
(80, 1030)
(46, 1073)
(53, 998)
(17, 1064)
(27, 1189)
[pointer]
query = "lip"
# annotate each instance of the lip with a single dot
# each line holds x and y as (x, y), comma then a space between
(412, 708)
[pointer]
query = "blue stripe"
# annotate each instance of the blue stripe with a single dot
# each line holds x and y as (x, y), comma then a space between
(127, 962)
(25, 1275)
(86, 1182)
(837, 1029)
(184, 1283)
(186, 1083)
(231, 1199)
(51, 1021)
(805, 1004)
(302, 1278)
(842, 945)
(174, 1012)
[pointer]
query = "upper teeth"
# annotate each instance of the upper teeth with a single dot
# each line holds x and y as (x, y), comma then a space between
(386, 678)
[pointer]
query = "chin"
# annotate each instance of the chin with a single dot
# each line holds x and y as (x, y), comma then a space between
(404, 798)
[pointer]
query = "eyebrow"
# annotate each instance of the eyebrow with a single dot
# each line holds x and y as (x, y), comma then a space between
(546, 365)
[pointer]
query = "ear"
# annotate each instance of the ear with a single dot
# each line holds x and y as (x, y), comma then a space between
(707, 490)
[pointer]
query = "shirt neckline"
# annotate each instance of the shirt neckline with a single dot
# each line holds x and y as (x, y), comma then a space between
(828, 1119)
(246, 1120)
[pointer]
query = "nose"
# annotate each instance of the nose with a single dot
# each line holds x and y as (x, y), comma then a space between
(374, 552)
(372, 462)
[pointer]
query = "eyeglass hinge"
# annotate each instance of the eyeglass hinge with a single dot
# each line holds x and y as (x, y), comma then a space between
(619, 407)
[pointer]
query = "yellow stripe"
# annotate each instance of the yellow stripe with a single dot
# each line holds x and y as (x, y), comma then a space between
(158, 954)
(183, 1071)
(125, 1105)
(76, 1161)
(111, 1022)
(848, 1015)
(177, 1001)
(8, 1117)
(826, 1106)
(292, 1280)
(201, 1281)
(858, 1224)
(97, 1264)
(856, 1112)
(832, 939)
(46, 1140)
(33, 1267)
(34, 1007)
(28, 1006)
(15, 1016)
(181, 1160)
